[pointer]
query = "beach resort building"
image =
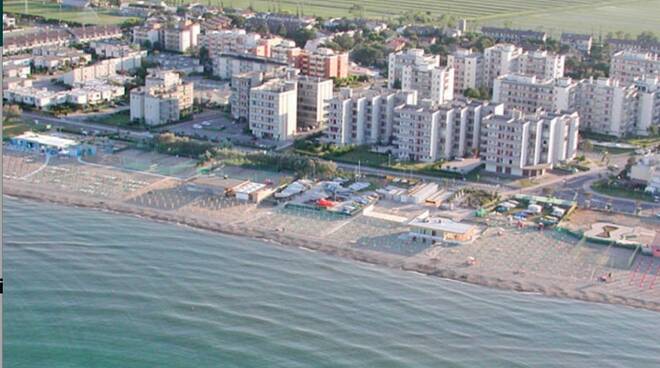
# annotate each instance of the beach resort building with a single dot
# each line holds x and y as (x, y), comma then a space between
(423, 132)
(437, 230)
(50, 144)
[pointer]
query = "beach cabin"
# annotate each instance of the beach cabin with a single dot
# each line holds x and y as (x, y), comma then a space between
(51, 145)
(438, 229)
(252, 192)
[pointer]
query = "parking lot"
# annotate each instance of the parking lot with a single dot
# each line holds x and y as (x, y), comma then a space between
(215, 126)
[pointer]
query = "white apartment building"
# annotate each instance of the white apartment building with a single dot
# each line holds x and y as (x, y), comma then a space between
(541, 64)
(628, 66)
(411, 57)
(88, 94)
(365, 116)
(273, 107)
(227, 65)
(423, 132)
(648, 104)
(180, 37)
(286, 52)
(499, 60)
(229, 41)
(529, 94)
(51, 58)
(314, 94)
(527, 145)
(147, 34)
(467, 125)
(607, 106)
(102, 70)
(468, 69)
(163, 98)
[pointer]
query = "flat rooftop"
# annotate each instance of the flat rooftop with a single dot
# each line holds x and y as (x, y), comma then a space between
(47, 140)
(441, 224)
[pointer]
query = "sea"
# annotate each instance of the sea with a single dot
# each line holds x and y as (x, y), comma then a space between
(85, 288)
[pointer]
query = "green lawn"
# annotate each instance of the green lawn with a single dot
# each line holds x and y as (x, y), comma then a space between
(120, 119)
(603, 188)
(51, 10)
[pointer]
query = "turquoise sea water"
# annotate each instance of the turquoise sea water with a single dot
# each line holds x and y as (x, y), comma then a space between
(91, 289)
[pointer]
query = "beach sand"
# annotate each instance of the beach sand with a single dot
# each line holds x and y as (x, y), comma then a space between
(525, 260)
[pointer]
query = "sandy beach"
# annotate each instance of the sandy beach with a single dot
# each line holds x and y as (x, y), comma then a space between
(524, 260)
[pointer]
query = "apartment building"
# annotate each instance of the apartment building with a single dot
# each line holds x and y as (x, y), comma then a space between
(414, 71)
(530, 94)
(364, 116)
(499, 60)
(147, 34)
(398, 60)
(51, 58)
(627, 66)
(468, 69)
(577, 43)
(527, 145)
(111, 48)
(21, 42)
(607, 106)
(648, 104)
(286, 52)
(87, 94)
(227, 65)
(467, 125)
(541, 64)
(423, 132)
(513, 35)
(163, 98)
(273, 110)
(95, 33)
(324, 63)
(314, 94)
(102, 70)
(180, 37)
(617, 45)
(232, 41)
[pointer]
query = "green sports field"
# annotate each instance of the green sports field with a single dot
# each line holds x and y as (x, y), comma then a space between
(51, 10)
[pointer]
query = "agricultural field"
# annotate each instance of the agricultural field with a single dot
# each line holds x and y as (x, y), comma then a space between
(553, 16)
(51, 10)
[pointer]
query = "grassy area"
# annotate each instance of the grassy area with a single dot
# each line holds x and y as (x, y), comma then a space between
(603, 187)
(52, 10)
(632, 16)
(120, 119)
(14, 127)
(644, 141)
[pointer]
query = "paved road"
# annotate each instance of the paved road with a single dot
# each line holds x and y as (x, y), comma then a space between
(84, 126)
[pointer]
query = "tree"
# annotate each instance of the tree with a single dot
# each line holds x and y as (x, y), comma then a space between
(301, 36)
(281, 30)
(472, 93)
(647, 36)
(11, 111)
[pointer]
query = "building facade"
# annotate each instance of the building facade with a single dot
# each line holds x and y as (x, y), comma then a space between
(314, 94)
(628, 66)
(468, 69)
(273, 110)
(529, 94)
(163, 99)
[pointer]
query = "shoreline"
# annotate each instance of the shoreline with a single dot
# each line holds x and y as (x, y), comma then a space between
(403, 263)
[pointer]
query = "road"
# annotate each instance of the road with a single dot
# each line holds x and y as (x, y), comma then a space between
(84, 126)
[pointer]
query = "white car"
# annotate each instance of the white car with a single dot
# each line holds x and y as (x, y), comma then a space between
(206, 123)
(197, 126)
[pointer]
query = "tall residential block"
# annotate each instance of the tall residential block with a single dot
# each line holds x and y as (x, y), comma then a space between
(527, 145)
(273, 107)
(530, 94)
(628, 66)
(414, 71)
(163, 98)
(468, 69)
(648, 109)
(500, 60)
(324, 63)
(364, 116)
(607, 106)
(314, 94)
(541, 64)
